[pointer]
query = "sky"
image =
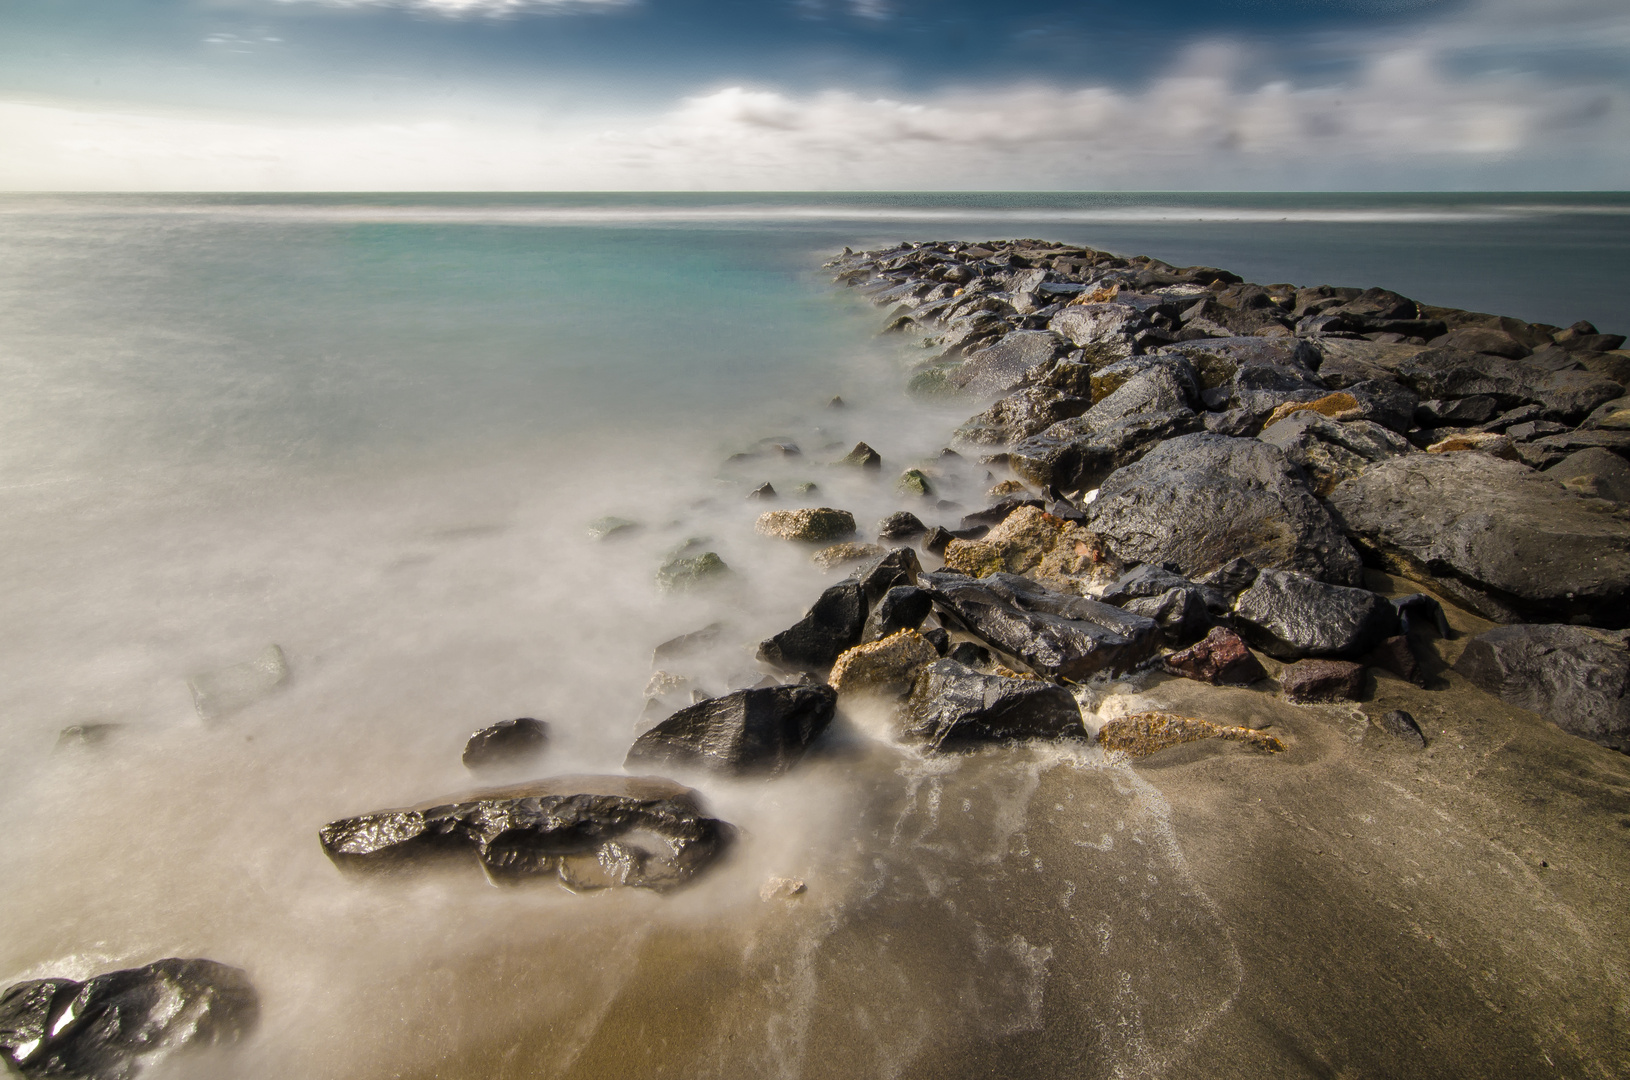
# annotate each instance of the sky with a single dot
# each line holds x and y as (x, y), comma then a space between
(731, 95)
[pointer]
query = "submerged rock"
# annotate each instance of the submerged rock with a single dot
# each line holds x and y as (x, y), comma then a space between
(104, 1028)
(1567, 674)
(899, 567)
(688, 644)
(1309, 681)
(1142, 734)
(220, 693)
(762, 730)
(888, 666)
(1401, 725)
(1290, 615)
(587, 832)
(862, 456)
(505, 742)
(607, 527)
(1222, 659)
(829, 558)
(951, 703)
(682, 572)
(831, 625)
(811, 523)
(903, 525)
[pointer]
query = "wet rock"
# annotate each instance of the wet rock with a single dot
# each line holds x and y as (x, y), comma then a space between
(1346, 362)
(811, 523)
(1477, 409)
(885, 667)
(1180, 613)
(106, 1027)
(1078, 454)
(762, 730)
(1506, 541)
(1310, 681)
(876, 578)
(951, 703)
(1228, 581)
(903, 607)
(1480, 441)
(1142, 734)
(1566, 396)
(1595, 473)
(862, 456)
(971, 654)
(937, 539)
(1289, 615)
(1025, 537)
(829, 558)
(1330, 452)
(1222, 659)
(587, 832)
(1401, 725)
(996, 513)
(1577, 679)
(1419, 611)
(833, 624)
(1240, 498)
(1396, 656)
(1613, 416)
(1052, 633)
(938, 638)
(1111, 328)
(1004, 366)
(688, 644)
(1006, 488)
(607, 527)
(220, 693)
(1257, 374)
(900, 526)
(1020, 415)
(764, 492)
(683, 572)
(505, 743)
(914, 482)
(974, 558)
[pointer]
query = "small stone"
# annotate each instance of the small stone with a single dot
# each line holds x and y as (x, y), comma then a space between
(973, 557)
(836, 403)
(806, 488)
(506, 742)
(1142, 734)
(685, 572)
(937, 540)
(85, 734)
(810, 523)
(607, 527)
(1395, 655)
(1401, 725)
(863, 456)
(1221, 659)
(939, 638)
(1309, 681)
(846, 552)
(782, 888)
(887, 667)
(913, 482)
(900, 526)
(763, 491)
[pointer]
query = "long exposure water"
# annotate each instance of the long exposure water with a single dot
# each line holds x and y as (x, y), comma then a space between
(374, 430)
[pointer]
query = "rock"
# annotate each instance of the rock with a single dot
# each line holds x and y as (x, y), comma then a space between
(1330, 452)
(937, 540)
(972, 654)
(1613, 416)
(587, 832)
(1506, 541)
(667, 693)
(1401, 725)
(876, 578)
(104, 1028)
(1180, 612)
(688, 644)
(763, 492)
(1346, 362)
(1257, 374)
(938, 638)
(505, 742)
(1052, 633)
(1395, 655)
(951, 703)
(974, 558)
(1385, 402)
(1483, 339)
(1483, 442)
(607, 527)
(1110, 328)
(1594, 472)
(913, 482)
(1477, 409)
(1567, 674)
(829, 557)
(1142, 734)
(1240, 498)
(1006, 488)
(1337, 406)
(1003, 367)
(1222, 659)
(1309, 681)
(833, 624)
(886, 667)
(900, 526)
(1289, 615)
(1025, 537)
(1566, 396)
(220, 693)
(863, 456)
(1420, 610)
(903, 607)
(781, 888)
(1229, 580)
(805, 488)
(763, 730)
(996, 513)
(811, 523)
(688, 571)
(1020, 415)
(85, 734)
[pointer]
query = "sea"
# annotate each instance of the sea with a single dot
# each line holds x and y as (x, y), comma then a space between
(375, 431)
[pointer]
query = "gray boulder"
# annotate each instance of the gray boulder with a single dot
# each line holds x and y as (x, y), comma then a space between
(1567, 674)
(951, 703)
(1020, 415)
(1004, 366)
(1510, 543)
(1331, 451)
(1594, 472)
(762, 730)
(1109, 329)
(1290, 616)
(1200, 501)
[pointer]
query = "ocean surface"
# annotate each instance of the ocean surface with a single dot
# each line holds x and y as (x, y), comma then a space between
(373, 430)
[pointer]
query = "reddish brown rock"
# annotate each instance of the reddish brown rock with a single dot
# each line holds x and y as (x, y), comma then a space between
(1395, 655)
(1222, 659)
(1322, 680)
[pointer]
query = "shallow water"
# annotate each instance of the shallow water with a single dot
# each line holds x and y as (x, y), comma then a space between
(373, 431)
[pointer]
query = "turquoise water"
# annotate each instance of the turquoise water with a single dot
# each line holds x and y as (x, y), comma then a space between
(372, 430)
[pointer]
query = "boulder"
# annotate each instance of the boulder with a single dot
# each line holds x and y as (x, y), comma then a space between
(1240, 498)
(1401, 725)
(974, 558)
(761, 730)
(903, 525)
(1309, 681)
(1477, 409)
(829, 558)
(903, 607)
(1222, 659)
(972, 654)
(1577, 679)
(862, 456)
(952, 703)
(1330, 452)
(1564, 395)
(1109, 328)
(913, 482)
(681, 572)
(1338, 406)
(876, 578)
(939, 638)
(1613, 416)
(103, 1028)
(995, 513)
(1509, 543)
(886, 667)
(1052, 633)
(586, 832)
(1394, 654)
(818, 523)
(1003, 367)
(1020, 415)
(1595, 473)
(506, 742)
(1180, 613)
(1345, 362)
(684, 645)
(1142, 734)
(831, 625)
(1289, 615)
(1484, 442)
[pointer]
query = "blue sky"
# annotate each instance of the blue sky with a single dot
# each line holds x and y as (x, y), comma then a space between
(790, 94)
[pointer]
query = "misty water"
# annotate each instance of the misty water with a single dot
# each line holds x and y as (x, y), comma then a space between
(374, 431)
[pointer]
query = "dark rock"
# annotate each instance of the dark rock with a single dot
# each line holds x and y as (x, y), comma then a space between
(1417, 610)
(833, 624)
(1289, 615)
(1566, 396)
(1067, 376)
(937, 539)
(898, 567)
(1329, 451)
(505, 742)
(586, 831)
(1222, 659)
(1020, 415)
(1395, 655)
(952, 703)
(972, 654)
(1066, 511)
(1506, 541)
(1003, 367)
(939, 639)
(1052, 633)
(1240, 498)
(1520, 415)
(1401, 725)
(1308, 681)
(1181, 613)
(1567, 674)
(1385, 402)
(1477, 409)
(1594, 472)
(1143, 581)
(763, 491)
(903, 607)
(1230, 579)
(750, 731)
(1613, 416)
(900, 526)
(996, 513)
(101, 1029)
(1618, 441)
(687, 644)
(1483, 339)
(1345, 363)
(863, 456)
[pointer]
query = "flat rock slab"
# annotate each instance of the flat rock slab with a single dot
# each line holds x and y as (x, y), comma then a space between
(1203, 500)
(101, 1029)
(1570, 676)
(762, 730)
(587, 832)
(952, 703)
(1309, 681)
(1002, 367)
(1142, 734)
(1510, 543)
